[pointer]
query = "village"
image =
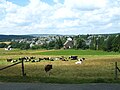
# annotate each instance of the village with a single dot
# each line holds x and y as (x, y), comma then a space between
(94, 42)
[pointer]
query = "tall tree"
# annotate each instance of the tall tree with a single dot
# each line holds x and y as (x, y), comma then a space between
(80, 44)
(116, 43)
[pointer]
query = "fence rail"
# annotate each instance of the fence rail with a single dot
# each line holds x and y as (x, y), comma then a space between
(116, 71)
(23, 71)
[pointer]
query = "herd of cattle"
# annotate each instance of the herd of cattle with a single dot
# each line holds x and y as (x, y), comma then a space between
(47, 67)
(34, 59)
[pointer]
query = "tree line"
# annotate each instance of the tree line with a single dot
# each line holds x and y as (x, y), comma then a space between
(93, 42)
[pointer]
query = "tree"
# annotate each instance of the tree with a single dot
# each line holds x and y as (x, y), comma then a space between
(36, 47)
(116, 44)
(44, 46)
(3, 45)
(93, 43)
(80, 44)
(109, 43)
(51, 44)
(101, 43)
(25, 46)
(22, 46)
(15, 44)
(59, 43)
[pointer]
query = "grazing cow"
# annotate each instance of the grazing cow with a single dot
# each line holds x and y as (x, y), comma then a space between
(73, 57)
(46, 58)
(57, 58)
(41, 59)
(32, 57)
(63, 58)
(51, 59)
(79, 61)
(9, 60)
(48, 67)
(22, 58)
(83, 58)
(35, 60)
(27, 60)
(13, 61)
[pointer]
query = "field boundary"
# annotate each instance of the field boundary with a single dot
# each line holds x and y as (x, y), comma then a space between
(22, 61)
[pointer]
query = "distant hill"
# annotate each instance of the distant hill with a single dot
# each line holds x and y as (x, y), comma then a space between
(43, 35)
(46, 35)
(10, 37)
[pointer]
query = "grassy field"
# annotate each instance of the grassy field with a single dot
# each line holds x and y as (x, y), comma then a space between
(78, 52)
(97, 68)
(5, 42)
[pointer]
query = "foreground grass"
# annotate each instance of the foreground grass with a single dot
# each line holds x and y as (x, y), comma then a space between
(91, 71)
(97, 68)
(56, 80)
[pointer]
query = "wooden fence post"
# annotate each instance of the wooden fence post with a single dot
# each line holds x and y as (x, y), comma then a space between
(23, 72)
(116, 76)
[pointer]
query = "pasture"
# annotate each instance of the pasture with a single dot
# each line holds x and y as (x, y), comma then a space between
(97, 68)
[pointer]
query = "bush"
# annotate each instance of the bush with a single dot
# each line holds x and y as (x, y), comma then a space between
(3, 45)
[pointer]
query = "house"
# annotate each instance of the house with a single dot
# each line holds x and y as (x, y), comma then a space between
(8, 48)
(31, 45)
(68, 44)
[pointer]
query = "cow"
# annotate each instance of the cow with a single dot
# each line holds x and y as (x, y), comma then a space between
(48, 67)
(46, 58)
(73, 57)
(32, 57)
(9, 59)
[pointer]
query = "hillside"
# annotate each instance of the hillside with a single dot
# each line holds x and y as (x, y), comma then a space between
(10, 37)
(43, 35)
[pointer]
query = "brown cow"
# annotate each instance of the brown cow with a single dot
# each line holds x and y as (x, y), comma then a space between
(48, 67)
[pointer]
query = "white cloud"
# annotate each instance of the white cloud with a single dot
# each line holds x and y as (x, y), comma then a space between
(73, 16)
(85, 4)
(56, 1)
(63, 13)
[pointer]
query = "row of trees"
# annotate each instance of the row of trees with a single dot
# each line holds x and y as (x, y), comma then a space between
(112, 44)
(105, 42)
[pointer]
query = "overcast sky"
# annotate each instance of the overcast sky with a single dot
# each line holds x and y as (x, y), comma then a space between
(59, 16)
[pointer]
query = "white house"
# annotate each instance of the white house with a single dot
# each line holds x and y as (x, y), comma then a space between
(69, 43)
(8, 48)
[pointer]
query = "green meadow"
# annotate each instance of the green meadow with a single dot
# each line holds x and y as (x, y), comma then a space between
(78, 52)
(97, 68)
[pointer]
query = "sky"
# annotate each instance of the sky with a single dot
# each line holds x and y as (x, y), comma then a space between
(67, 17)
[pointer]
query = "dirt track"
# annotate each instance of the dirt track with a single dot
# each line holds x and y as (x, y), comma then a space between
(39, 86)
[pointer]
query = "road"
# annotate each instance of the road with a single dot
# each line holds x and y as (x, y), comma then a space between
(42, 86)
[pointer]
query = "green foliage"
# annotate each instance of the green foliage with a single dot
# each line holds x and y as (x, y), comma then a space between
(35, 47)
(51, 44)
(80, 44)
(116, 44)
(22, 46)
(25, 46)
(3, 45)
(112, 44)
(101, 43)
(44, 46)
(77, 52)
(94, 42)
(54, 44)
(58, 43)
(109, 43)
